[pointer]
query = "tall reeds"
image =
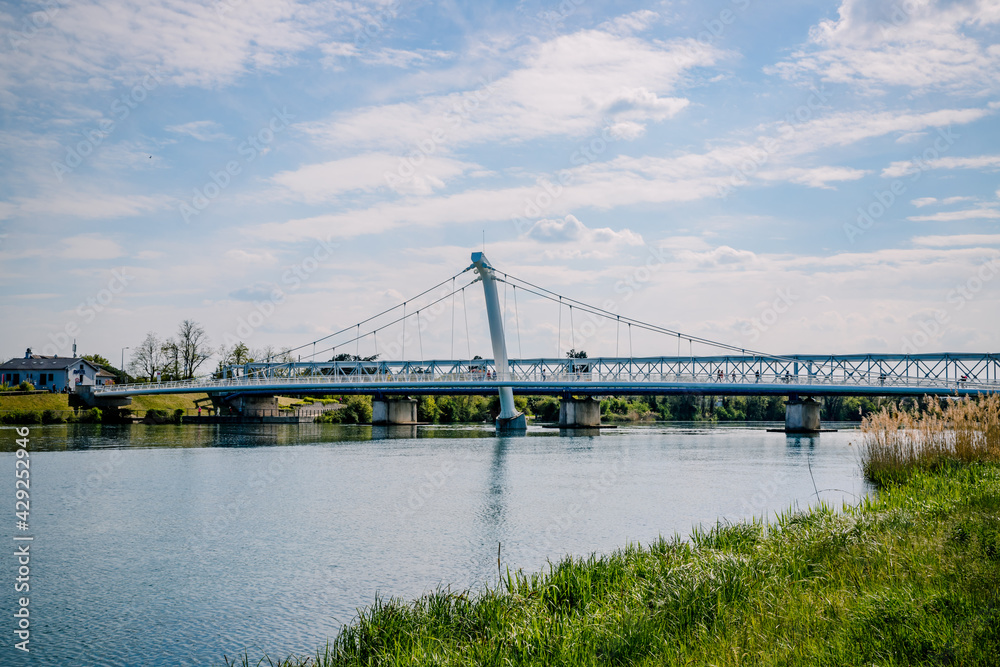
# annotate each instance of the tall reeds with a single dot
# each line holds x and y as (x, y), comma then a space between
(897, 443)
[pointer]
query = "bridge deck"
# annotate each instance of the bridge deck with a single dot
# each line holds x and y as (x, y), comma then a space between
(847, 375)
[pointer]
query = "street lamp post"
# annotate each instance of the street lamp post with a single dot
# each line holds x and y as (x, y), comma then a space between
(122, 367)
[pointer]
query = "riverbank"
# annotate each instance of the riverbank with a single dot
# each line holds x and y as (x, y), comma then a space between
(910, 576)
(54, 408)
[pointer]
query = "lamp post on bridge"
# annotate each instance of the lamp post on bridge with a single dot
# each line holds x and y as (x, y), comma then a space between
(122, 367)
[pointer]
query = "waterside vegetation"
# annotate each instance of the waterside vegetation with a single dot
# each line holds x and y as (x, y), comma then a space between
(910, 575)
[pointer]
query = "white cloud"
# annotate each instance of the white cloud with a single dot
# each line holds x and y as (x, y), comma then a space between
(958, 240)
(89, 246)
(817, 177)
(951, 216)
(85, 204)
(246, 257)
(630, 24)
(335, 53)
(927, 201)
(368, 172)
(202, 130)
(565, 86)
(621, 181)
(931, 44)
(571, 230)
(98, 44)
(904, 167)
(722, 256)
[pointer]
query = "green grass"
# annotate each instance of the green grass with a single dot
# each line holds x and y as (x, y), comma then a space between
(61, 402)
(168, 402)
(908, 577)
(35, 402)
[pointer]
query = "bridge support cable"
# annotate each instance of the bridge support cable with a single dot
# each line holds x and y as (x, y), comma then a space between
(453, 297)
(468, 340)
(559, 332)
(555, 297)
(378, 315)
(618, 328)
(572, 331)
(359, 335)
(420, 338)
(517, 324)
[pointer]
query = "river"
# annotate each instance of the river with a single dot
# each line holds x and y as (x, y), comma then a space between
(173, 545)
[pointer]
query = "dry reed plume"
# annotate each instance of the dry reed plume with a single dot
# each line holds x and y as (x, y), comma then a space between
(897, 443)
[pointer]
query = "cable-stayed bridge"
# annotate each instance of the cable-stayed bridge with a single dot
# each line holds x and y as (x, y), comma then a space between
(737, 371)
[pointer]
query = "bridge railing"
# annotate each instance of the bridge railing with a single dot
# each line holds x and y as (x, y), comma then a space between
(542, 379)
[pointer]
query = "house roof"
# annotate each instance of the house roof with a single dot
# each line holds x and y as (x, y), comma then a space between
(39, 363)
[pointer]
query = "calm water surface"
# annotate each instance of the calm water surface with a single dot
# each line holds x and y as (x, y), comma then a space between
(168, 545)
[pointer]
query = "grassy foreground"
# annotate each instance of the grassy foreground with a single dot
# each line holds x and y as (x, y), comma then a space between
(909, 577)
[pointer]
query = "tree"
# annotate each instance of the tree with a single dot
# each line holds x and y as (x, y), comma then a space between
(192, 346)
(237, 356)
(171, 359)
(97, 360)
(353, 357)
(120, 375)
(147, 357)
(573, 354)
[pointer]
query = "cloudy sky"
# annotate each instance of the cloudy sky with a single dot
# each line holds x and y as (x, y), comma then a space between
(795, 176)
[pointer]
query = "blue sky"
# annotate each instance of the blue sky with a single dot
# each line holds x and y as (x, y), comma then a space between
(797, 177)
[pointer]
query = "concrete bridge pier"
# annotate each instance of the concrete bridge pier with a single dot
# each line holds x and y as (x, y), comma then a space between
(802, 415)
(518, 424)
(579, 412)
(257, 406)
(394, 410)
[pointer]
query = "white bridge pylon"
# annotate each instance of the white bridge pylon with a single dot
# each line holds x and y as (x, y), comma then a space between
(509, 418)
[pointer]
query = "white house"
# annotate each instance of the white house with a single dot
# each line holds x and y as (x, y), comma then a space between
(52, 373)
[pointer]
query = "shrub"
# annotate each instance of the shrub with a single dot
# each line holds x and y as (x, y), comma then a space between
(26, 386)
(52, 417)
(21, 417)
(155, 416)
(356, 410)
